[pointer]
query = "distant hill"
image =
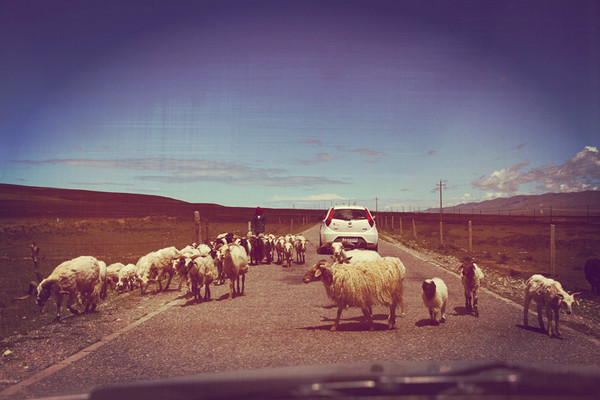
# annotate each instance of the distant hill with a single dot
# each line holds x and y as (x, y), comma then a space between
(563, 203)
(28, 201)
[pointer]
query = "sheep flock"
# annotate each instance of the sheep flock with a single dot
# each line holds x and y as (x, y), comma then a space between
(351, 278)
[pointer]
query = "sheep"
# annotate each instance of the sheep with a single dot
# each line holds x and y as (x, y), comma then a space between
(127, 277)
(471, 280)
(435, 298)
(547, 293)
(235, 264)
(83, 277)
(300, 247)
(345, 252)
(153, 267)
(202, 272)
(592, 274)
(280, 249)
(112, 275)
(364, 284)
(287, 254)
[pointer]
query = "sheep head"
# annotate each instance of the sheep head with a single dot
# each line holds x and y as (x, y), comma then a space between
(566, 301)
(468, 269)
(316, 272)
(44, 290)
(429, 288)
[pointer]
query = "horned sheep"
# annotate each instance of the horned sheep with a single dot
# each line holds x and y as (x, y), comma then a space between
(82, 277)
(363, 285)
(548, 293)
(435, 298)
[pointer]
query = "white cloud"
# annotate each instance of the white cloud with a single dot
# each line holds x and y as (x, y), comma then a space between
(316, 197)
(580, 172)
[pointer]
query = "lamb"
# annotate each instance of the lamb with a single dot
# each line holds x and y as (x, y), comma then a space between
(435, 298)
(287, 254)
(127, 277)
(83, 277)
(364, 284)
(153, 267)
(547, 293)
(235, 265)
(471, 280)
(300, 247)
(592, 274)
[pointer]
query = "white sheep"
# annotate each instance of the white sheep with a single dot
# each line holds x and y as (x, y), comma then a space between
(153, 267)
(471, 280)
(345, 252)
(364, 284)
(288, 254)
(547, 293)
(202, 272)
(235, 265)
(112, 275)
(300, 247)
(82, 277)
(127, 277)
(435, 298)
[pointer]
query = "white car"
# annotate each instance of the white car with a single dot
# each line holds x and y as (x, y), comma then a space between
(353, 224)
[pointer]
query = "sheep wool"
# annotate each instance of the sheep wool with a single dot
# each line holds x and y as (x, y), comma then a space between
(363, 284)
(435, 298)
(83, 277)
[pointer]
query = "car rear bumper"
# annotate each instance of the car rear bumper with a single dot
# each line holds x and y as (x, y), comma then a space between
(367, 239)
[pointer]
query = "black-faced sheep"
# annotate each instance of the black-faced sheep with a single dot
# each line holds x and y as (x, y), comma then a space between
(547, 293)
(155, 266)
(471, 280)
(592, 274)
(82, 277)
(435, 298)
(362, 285)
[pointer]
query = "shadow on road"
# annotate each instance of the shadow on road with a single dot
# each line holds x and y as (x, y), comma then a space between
(461, 311)
(535, 329)
(426, 322)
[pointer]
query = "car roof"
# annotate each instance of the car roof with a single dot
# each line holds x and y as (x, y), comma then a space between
(349, 207)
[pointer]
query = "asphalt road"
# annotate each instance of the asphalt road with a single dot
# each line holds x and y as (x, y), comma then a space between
(281, 321)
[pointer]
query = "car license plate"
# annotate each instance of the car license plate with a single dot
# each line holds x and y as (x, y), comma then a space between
(353, 240)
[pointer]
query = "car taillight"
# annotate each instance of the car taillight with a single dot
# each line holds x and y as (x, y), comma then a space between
(369, 218)
(329, 217)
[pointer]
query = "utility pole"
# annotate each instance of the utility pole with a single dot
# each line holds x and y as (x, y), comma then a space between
(441, 185)
(376, 205)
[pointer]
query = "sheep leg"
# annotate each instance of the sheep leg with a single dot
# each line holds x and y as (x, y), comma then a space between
(526, 310)
(550, 318)
(207, 292)
(475, 310)
(367, 313)
(59, 298)
(540, 317)
(337, 319)
(231, 288)
(168, 281)
(556, 314)
(70, 301)
(243, 283)
(392, 320)
(468, 302)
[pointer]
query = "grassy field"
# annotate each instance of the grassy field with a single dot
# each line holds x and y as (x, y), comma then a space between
(110, 240)
(518, 249)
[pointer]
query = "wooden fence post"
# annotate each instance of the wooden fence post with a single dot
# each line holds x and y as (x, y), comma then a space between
(400, 226)
(197, 227)
(470, 238)
(414, 228)
(441, 234)
(552, 252)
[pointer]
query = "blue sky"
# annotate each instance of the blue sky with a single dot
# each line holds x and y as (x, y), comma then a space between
(303, 103)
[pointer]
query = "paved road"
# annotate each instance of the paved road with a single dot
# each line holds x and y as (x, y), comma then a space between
(282, 322)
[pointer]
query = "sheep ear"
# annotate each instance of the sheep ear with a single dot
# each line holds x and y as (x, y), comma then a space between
(318, 273)
(346, 260)
(576, 294)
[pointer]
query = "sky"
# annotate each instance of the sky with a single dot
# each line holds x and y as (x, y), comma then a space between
(302, 103)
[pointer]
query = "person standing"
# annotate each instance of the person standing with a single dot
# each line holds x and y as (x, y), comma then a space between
(258, 221)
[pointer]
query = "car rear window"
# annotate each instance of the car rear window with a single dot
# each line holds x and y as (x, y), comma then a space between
(349, 214)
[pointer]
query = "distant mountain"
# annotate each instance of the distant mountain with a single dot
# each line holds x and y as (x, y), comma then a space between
(525, 204)
(28, 201)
